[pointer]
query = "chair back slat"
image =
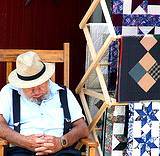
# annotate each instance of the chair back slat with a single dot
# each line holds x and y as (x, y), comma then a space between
(51, 56)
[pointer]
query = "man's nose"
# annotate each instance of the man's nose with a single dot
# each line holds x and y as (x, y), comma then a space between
(36, 90)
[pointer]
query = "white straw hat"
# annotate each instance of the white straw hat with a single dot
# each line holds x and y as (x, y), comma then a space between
(30, 71)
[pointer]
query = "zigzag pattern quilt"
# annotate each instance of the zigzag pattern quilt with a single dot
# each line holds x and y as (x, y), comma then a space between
(133, 17)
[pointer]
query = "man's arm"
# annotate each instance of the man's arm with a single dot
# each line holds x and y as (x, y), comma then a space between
(28, 142)
(79, 130)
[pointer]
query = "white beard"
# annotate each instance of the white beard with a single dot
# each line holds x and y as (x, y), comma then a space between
(38, 100)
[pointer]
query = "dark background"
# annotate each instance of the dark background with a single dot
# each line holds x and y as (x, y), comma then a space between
(44, 24)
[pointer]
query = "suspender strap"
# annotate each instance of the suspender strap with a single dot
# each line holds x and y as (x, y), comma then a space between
(64, 105)
(16, 110)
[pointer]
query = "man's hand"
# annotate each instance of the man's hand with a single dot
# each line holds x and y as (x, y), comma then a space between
(34, 141)
(50, 145)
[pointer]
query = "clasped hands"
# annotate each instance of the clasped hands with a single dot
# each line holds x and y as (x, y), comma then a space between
(43, 144)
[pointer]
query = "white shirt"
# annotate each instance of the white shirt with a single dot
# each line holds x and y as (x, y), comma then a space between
(46, 118)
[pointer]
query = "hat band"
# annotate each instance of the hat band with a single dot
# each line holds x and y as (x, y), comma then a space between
(33, 77)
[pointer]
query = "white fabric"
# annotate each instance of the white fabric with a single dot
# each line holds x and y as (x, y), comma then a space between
(154, 9)
(99, 33)
(46, 118)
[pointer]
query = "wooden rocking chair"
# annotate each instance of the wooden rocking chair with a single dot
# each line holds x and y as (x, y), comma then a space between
(9, 56)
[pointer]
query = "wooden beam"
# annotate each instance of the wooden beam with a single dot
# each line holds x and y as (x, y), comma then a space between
(10, 55)
(8, 70)
(93, 94)
(97, 117)
(101, 97)
(85, 107)
(66, 64)
(88, 14)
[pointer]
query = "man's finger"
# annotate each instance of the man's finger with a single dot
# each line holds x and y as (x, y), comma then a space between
(48, 144)
(40, 149)
(46, 152)
(40, 140)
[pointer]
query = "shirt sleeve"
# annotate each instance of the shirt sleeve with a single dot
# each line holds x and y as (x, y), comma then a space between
(6, 102)
(74, 107)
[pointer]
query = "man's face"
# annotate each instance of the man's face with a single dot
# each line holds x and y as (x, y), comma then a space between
(37, 93)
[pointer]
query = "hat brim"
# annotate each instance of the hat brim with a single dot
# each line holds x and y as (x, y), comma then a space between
(15, 81)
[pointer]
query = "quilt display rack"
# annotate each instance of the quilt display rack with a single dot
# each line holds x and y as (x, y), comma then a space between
(95, 65)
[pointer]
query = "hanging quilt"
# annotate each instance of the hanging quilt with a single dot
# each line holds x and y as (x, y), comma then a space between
(119, 134)
(130, 17)
(143, 129)
(139, 69)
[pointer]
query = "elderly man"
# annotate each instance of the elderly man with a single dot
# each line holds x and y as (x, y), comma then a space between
(40, 128)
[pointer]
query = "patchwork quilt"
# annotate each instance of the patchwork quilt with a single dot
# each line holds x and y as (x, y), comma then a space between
(139, 69)
(130, 17)
(119, 134)
(143, 130)
(133, 17)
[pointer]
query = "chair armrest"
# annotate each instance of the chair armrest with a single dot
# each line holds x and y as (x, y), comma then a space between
(3, 142)
(89, 142)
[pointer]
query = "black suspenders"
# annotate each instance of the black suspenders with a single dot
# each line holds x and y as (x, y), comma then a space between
(64, 105)
(16, 110)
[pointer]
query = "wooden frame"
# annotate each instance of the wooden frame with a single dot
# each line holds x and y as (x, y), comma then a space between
(81, 89)
(9, 56)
